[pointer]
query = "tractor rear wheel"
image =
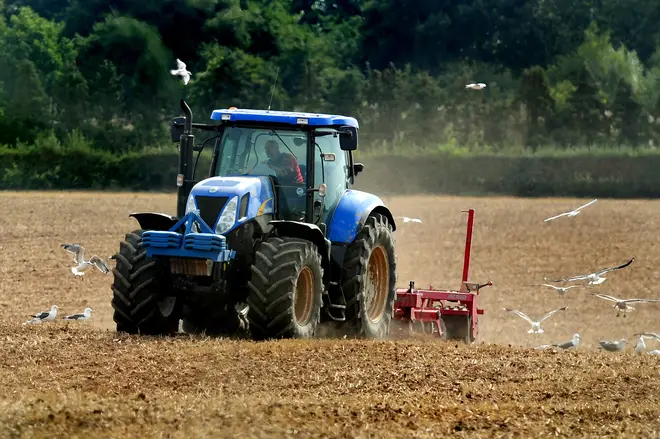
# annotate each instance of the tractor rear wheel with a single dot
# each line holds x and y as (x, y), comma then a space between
(285, 290)
(142, 301)
(369, 279)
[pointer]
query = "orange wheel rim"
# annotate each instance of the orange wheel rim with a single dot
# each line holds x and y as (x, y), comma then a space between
(304, 299)
(377, 284)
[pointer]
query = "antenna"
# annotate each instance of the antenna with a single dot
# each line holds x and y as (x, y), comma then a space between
(272, 92)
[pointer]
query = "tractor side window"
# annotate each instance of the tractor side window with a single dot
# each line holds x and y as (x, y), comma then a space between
(331, 169)
(233, 152)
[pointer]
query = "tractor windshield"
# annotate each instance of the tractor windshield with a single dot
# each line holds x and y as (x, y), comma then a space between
(258, 151)
(280, 153)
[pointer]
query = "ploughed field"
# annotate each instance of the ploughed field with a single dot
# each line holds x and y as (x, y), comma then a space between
(68, 379)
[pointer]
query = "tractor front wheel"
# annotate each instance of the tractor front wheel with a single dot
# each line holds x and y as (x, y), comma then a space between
(285, 291)
(369, 279)
(142, 301)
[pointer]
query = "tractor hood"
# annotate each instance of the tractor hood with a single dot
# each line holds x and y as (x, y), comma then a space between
(225, 203)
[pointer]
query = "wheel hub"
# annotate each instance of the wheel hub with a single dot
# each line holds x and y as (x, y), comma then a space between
(377, 284)
(303, 301)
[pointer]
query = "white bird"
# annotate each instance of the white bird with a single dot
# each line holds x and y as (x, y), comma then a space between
(78, 252)
(648, 335)
(640, 346)
(409, 220)
(477, 86)
(181, 71)
(569, 344)
(84, 316)
(593, 278)
(613, 345)
(621, 305)
(536, 326)
(44, 316)
(572, 213)
(562, 290)
(654, 352)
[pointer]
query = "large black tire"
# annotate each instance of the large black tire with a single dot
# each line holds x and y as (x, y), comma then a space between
(143, 300)
(369, 280)
(285, 290)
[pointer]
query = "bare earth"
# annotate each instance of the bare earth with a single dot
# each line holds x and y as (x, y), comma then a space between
(81, 379)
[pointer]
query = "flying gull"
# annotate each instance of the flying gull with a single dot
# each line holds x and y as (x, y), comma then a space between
(536, 326)
(654, 352)
(562, 290)
(621, 305)
(477, 86)
(640, 346)
(79, 257)
(409, 220)
(84, 316)
(181, 71)
(44, 316)
(613, 345)
(593, 278)
(569, 344)
(648, 335)
(572, 213)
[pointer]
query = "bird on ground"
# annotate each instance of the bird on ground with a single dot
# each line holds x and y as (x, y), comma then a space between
(562, 290)
(572, 213)
(477, 86)
(78, 252)
(640, 346)
(536, 325)
(84, 316)
(569, 344)
(181, 71)
(44, 316)
(613, 345)
(621, 305)
(593, 278)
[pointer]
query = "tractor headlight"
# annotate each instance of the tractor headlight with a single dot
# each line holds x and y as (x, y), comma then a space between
(190, 204)
(228, 217)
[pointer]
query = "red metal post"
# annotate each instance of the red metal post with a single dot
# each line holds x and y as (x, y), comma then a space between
(468, 245)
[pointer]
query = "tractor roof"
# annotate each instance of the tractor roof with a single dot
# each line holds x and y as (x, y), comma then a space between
(288, 117)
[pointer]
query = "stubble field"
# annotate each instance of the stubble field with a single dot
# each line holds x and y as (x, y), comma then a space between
(82, 379)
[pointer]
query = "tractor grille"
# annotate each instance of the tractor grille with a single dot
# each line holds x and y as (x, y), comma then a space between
(187, 266)
(210, 208)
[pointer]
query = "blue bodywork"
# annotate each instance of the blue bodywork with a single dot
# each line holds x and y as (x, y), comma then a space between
(208, 244)
(288, 117)
(350, 214)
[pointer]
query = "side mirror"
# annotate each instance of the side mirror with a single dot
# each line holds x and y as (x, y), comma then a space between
(176, 129)
(348, 138)
(357, 168)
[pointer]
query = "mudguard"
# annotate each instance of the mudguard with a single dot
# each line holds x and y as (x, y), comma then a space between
(154, 220)
(351, 213)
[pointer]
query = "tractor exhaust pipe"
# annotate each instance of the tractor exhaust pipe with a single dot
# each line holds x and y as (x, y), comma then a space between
(184, 178)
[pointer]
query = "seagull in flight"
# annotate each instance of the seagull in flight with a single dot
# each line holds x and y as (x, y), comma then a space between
(572, 213)
(536, 326)
(613, 345)
(44, 316)
(181, 71)
(477, 86)
(562, 290)
(409, 220)
(593, 278)
(84, 316)
(621, 305)
(78, 252)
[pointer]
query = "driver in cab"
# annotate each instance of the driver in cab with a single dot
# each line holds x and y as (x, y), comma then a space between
(284, 164)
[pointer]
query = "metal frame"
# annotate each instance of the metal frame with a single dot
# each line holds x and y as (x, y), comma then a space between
(429, 306)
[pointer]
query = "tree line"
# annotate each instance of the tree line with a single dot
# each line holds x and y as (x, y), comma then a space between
(559, 73)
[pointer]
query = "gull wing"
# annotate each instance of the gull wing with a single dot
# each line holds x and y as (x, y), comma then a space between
(180, 64)
(556, 216)
(649, 335)
(606, 297)
(100, 264)
(551, 286)
(585, 205)
(41, 315)
(77, 250)
(521, 314)
(569, 279)
(605, 270)
(563, 308)
(565, 345)
(641, 300)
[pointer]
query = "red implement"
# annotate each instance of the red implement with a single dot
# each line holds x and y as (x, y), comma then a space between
(447, 313)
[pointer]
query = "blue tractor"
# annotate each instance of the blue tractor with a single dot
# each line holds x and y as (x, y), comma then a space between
(271, 244)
